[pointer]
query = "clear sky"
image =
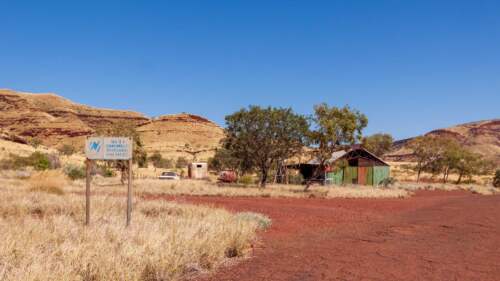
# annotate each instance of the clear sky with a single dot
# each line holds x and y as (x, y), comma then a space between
(411, 66)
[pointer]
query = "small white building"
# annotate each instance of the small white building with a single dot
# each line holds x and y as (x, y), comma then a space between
(198, 171)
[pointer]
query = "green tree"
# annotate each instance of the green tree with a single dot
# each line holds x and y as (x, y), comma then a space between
(260, 137)
(224, 160)
(467, 165)
(160, 162)
(181, 163)
(442, 155)
(428, 152)
(333, 128)
(156, 159)
(379, 144)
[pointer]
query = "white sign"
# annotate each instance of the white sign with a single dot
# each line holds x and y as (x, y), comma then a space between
(101, 148)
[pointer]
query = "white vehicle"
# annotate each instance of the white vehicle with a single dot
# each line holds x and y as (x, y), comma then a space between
(169, 176)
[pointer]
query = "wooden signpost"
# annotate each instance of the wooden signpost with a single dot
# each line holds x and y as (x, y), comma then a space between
(108, 148)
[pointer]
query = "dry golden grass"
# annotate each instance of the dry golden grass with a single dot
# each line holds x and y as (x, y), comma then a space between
(52, 181)
(43, 237)
(205, 188)
(474, 188)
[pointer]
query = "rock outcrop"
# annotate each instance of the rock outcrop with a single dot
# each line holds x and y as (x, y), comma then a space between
(55, 121)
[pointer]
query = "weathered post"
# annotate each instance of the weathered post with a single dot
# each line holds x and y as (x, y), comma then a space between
(88, 167)
(129, 193)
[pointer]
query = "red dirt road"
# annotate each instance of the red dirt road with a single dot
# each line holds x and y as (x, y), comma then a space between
(432, 236)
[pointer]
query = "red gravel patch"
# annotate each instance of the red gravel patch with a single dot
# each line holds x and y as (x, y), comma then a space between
(431, 236)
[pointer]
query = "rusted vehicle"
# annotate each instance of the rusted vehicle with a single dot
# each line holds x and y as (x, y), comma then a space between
(227, 177)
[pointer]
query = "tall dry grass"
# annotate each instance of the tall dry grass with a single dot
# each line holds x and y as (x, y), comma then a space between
(205, 188)
(51, 181)
(43, 237)
(474, 188)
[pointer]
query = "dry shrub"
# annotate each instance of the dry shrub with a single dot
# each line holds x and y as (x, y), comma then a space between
(52, 182)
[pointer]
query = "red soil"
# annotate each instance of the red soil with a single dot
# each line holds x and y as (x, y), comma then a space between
(431, 236)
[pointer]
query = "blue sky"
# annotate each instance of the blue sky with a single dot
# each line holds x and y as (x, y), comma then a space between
(411, 66)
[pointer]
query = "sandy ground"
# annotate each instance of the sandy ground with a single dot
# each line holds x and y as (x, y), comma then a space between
(435, 235)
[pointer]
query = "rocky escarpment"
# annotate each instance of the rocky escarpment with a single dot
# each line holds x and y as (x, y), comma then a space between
(181, 135)
(55, 121)
(482, 137)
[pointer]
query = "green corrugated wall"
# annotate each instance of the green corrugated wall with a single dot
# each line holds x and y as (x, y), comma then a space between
(380, 173)
(335, 177)
(350, 175)
(374, 176)
(369, 176)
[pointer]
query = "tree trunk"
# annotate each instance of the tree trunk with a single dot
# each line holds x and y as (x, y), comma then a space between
(460, 178)
(445, 176)
(314, 175)
(418, 174)
(263, 178)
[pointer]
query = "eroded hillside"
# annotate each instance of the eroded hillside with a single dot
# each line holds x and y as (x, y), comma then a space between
(55, 121)
(482, 137)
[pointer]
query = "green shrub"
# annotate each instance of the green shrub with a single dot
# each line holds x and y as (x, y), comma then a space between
(74, 172)
(496, 179)
(39, 161)
(388, 182)
(102, 169)
(246, 180)
(108, 172)
(295, 179)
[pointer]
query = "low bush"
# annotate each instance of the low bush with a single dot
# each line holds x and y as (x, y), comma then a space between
(103, 170)
(108, 172)
(388, 182)
(39, 161)
(295, 179)
(263, 221)
(67, 149)
(75, 172)
(246, 180)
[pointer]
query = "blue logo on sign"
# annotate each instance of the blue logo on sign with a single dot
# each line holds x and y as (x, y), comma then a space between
(95, 146)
